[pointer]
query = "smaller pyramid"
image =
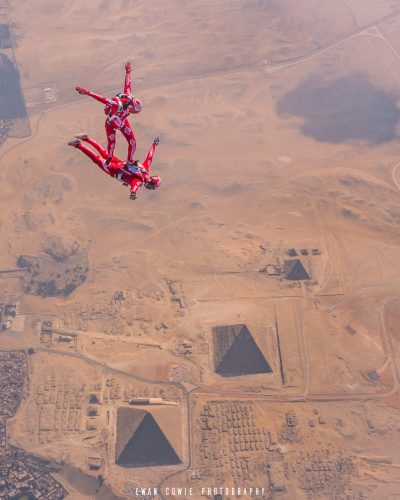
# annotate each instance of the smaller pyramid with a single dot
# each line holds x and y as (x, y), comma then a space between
(236, 352)
(141, 442)
(295, 271)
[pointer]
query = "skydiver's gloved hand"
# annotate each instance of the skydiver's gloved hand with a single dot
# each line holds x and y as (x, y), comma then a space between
(81, 90)
(108, 161)
(156, 141)
(133, 196)
(128, 67)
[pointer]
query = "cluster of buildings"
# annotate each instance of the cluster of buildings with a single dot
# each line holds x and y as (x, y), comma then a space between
(60, 338)
(113, 391)
(232, 446)
(4, 129)
(20, 480)
(325, 471)
(3, 438)
(61, 407)
(290, 430)
(229, 436)
(13, 372)
(102, 316)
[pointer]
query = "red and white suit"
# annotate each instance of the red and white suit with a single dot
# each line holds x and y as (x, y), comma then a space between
(117, 168)
(117, 110)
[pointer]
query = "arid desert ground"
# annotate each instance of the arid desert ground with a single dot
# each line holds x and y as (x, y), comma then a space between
(240, 326)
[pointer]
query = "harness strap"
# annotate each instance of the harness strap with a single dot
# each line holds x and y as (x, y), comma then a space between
(111, 117)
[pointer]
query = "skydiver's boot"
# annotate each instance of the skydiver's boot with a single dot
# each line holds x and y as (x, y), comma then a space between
(156, 141)
(82, 137)
(74, 143)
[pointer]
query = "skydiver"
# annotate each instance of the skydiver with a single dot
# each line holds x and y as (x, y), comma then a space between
(117, 110)
(132, 174)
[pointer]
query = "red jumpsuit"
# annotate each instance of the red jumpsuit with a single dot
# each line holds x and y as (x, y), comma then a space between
(117, 167)
(117, 110)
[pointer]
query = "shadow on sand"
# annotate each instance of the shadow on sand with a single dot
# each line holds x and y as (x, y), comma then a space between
(12, 102)
(348, 108)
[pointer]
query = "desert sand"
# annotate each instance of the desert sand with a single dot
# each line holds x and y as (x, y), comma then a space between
(274, 235)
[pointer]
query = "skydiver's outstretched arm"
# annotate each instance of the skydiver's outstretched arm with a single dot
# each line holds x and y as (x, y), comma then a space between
(127, 82)
(134, 186)
(149, 158)
(98, 97)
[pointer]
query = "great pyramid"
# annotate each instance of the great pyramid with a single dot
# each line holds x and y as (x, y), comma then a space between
(236, 352)
(140, 441)
(295, 271)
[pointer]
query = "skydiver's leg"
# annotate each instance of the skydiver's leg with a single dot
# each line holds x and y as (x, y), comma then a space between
(97, 146)
(111, 169)
(127, 132)
(149, 157)
(110, 131)
(98, 160)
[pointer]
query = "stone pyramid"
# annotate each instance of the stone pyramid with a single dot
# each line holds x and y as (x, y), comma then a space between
(295, 271)
(141, 442)
(236, 352)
